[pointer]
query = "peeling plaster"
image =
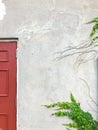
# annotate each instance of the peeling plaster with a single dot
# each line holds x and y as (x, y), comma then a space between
(2, 10)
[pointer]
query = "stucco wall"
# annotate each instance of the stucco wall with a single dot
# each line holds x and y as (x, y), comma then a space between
(45, 27)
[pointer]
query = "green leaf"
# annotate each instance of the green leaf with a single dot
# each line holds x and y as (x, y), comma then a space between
(93, 20)
(51, 105)
(72, 125)
(72, 98)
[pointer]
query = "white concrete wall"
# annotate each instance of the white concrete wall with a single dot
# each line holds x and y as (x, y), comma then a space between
(45, 27)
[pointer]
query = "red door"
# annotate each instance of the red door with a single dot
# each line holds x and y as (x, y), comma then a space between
(8, 85)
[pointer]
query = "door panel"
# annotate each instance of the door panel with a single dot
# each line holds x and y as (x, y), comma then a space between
(8, 85)
(4, 121)
(4, 77)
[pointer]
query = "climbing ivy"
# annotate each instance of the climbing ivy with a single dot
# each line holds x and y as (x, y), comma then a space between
(94, 33)
(84, 48)
(81, 120)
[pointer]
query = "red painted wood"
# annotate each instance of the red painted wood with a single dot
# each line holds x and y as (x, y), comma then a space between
(8, 85)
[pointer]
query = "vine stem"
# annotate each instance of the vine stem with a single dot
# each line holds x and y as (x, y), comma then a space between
(89, 92)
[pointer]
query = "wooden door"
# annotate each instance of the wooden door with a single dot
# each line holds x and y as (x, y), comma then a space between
(8, 85)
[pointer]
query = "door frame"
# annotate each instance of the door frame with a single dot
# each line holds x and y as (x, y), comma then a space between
(9, 40)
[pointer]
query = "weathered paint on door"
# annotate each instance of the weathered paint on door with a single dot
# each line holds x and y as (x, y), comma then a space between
(8, 85)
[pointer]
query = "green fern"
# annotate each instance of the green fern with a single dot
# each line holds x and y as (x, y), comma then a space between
(81, 120)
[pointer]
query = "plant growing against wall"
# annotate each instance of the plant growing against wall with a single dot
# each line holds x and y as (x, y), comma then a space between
(81, 120)
(84, 49)
(94, 34)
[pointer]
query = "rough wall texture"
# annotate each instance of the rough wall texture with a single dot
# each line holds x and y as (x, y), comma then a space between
(45, 27)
